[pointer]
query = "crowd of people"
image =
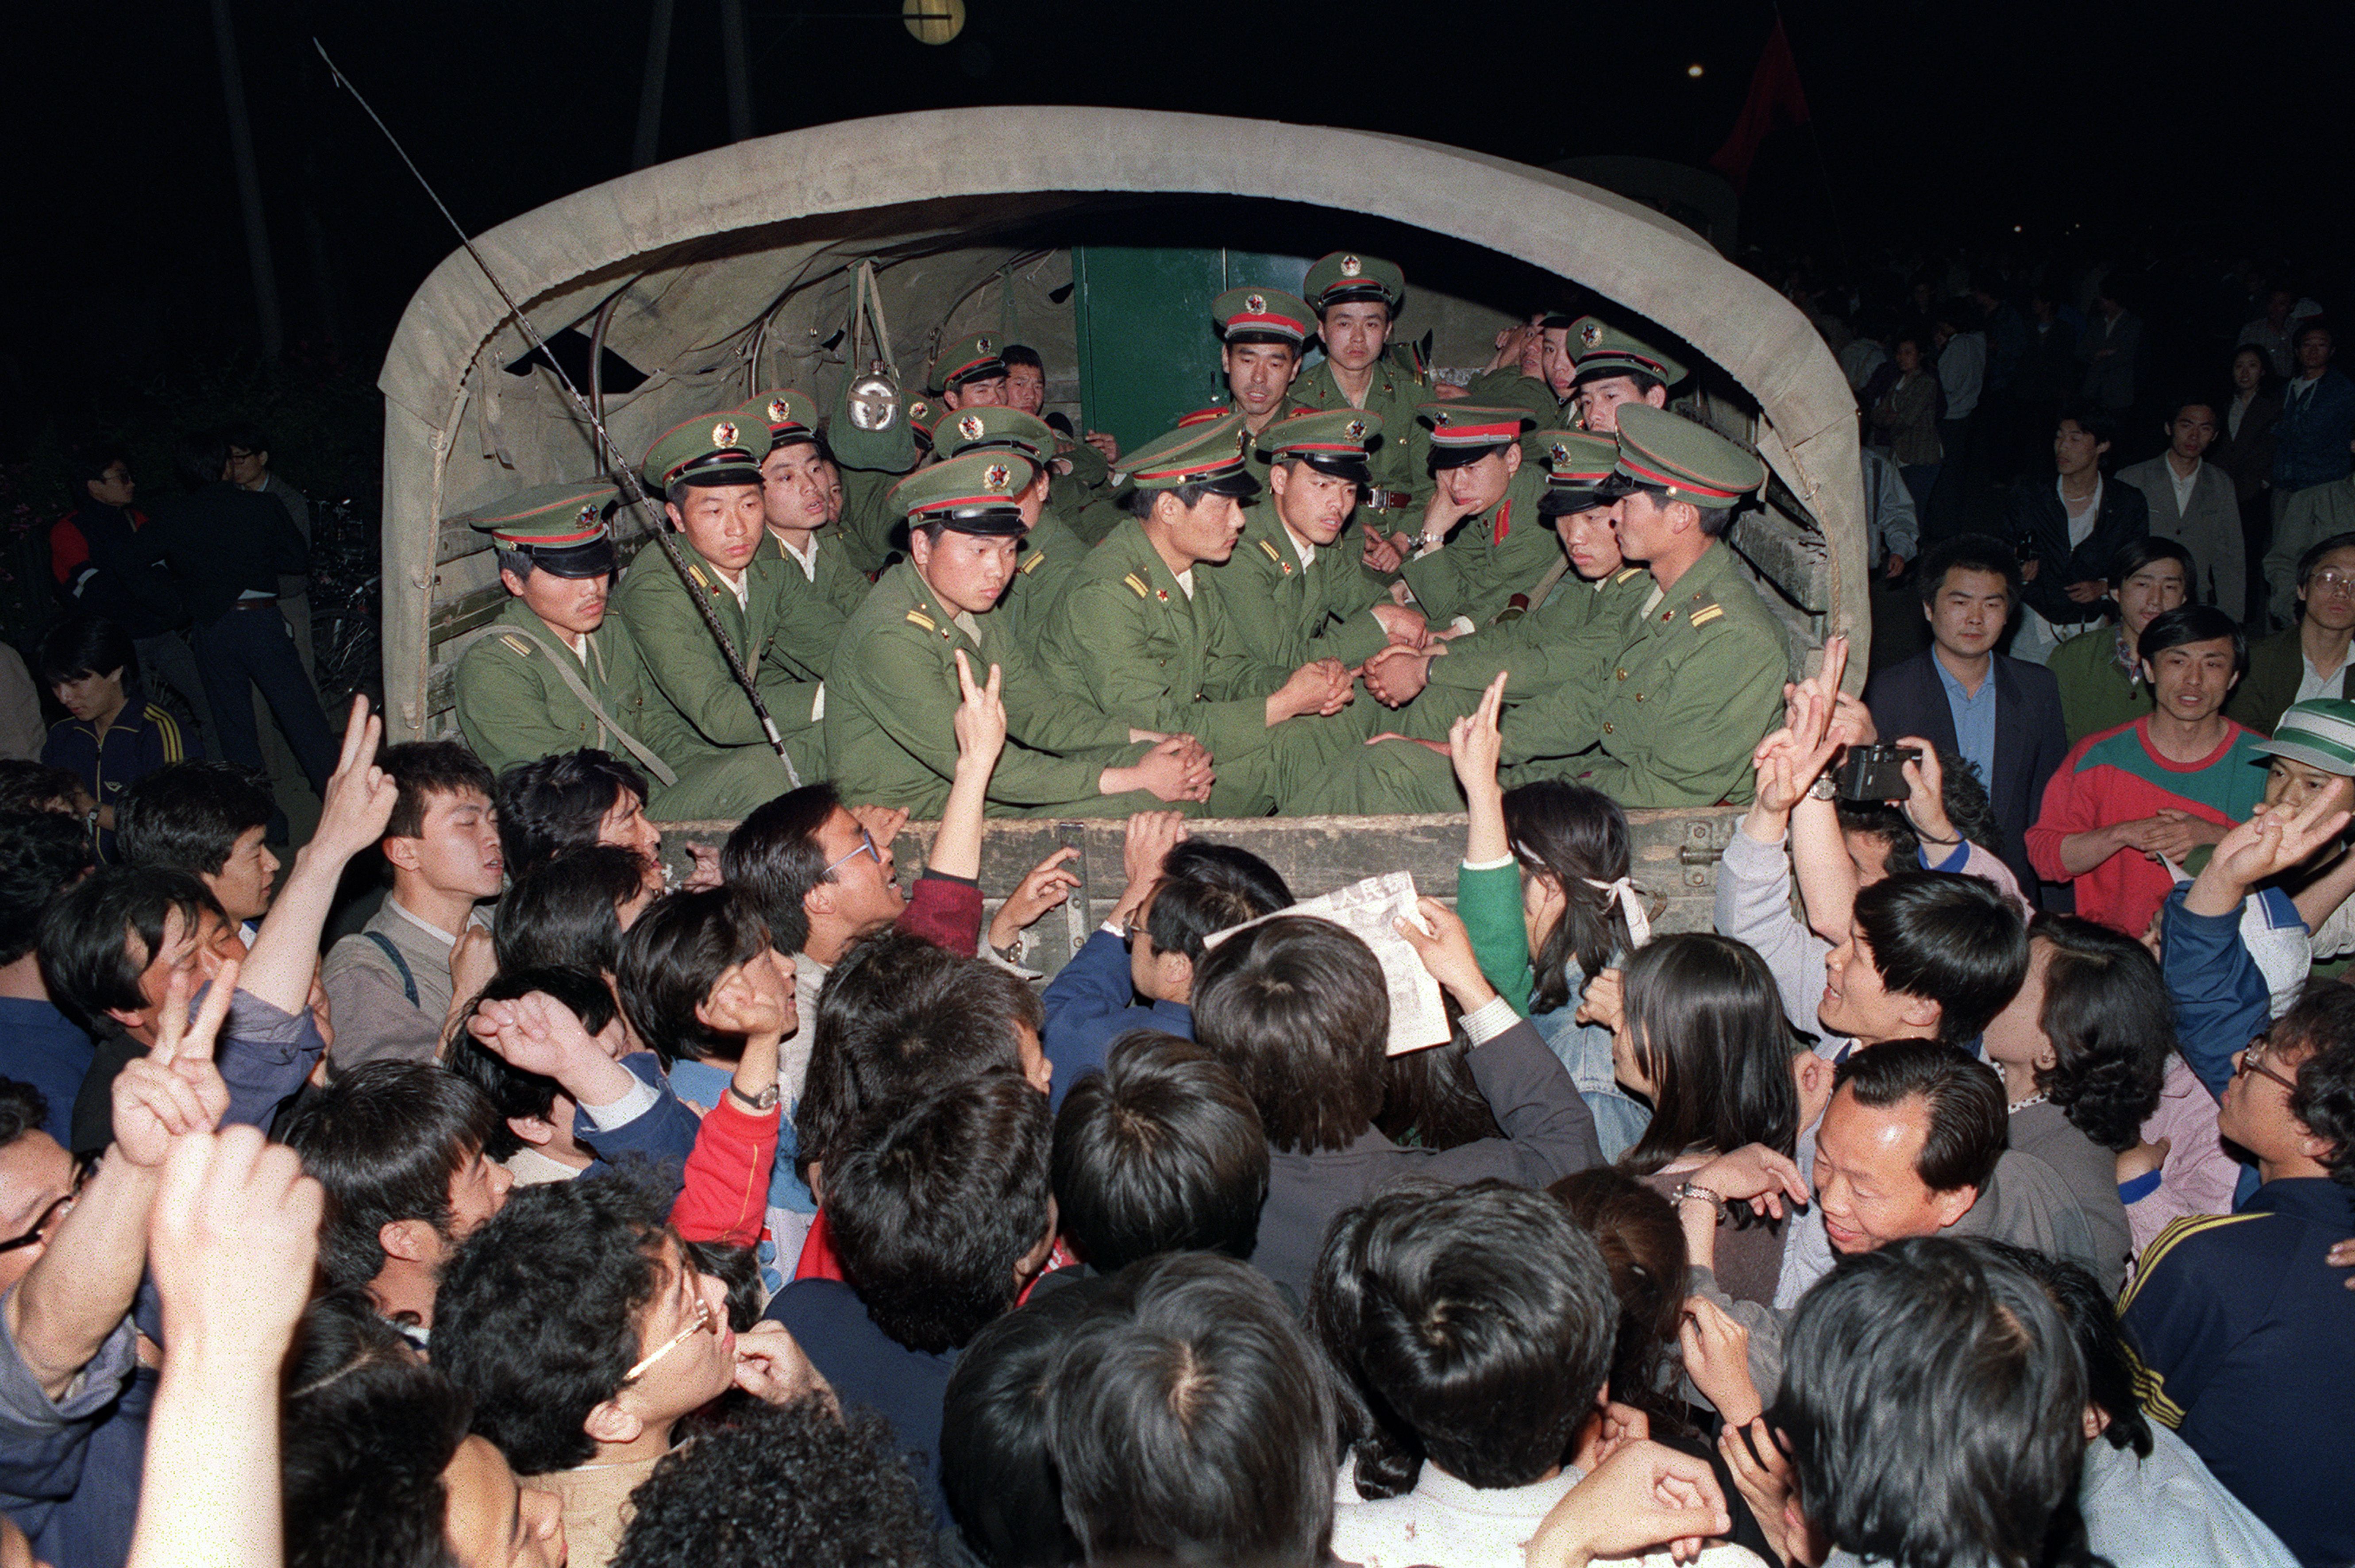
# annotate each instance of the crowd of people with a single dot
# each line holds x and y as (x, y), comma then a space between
(1979, 1190)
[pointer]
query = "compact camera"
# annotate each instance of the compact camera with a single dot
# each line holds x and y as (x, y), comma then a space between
(1876, 772)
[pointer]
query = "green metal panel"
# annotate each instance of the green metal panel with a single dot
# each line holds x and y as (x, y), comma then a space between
(1142, 316)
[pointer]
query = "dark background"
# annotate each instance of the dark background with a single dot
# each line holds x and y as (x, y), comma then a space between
(2202, 133)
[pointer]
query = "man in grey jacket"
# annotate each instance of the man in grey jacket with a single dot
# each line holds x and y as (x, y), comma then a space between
(2192, 503)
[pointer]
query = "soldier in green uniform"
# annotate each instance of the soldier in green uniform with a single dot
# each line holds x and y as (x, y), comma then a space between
(706, 470)
(1078, 471)
(968, 373)
(1050, 551)
(818, 587)
(1668, 700)
(1357, 299)
(1136, 632)
(1611, 368)
(1292, 593)
(891, 707)
(1262, 333)
(1481, 543)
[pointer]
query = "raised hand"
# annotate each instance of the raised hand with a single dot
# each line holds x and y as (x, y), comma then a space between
(359, 796)
(753, 1000)
(1756, 1175)
(1763, 1475)
(706, 874)
(232, 1241)
(534, 1033)
(1606, 1002)
(1925, 798)
(2274, 839)
(980, 721)
(1150, 837)
(175, 1090)
(770, 1366)
(474, 962)
(1476, 742)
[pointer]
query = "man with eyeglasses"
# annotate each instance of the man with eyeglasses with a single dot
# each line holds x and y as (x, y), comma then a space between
(2309, 659)
(2244, 1332)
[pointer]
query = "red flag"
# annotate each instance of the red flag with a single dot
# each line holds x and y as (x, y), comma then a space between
(1775, 98)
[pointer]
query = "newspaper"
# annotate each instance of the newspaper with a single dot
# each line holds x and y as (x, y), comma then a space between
(1365, 909)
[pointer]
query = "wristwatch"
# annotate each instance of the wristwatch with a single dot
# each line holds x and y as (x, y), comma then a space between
(1686, 1190)
(762, 1103)
(1826, 788)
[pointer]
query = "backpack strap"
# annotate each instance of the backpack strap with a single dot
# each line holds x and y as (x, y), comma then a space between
(400, 964)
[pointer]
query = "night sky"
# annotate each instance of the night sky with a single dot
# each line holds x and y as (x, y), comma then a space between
(1949, 122)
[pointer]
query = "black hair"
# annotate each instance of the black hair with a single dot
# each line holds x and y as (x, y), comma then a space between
(1430, 1099)
(386, 1140)
(673, 956)
(243, 434)
(1191, 1419)
(425, 768)
(565, 913)
(2187, 623)
(2103, 1343)
(23, 1109)
(1139, 500)
(774, 857)
(1968, 809)
(1643, 1245)
(1945, 938)
(1477, 1323)
(2142, 552)
(366, 1430)
(1298, 1008)
(1962, 1098)
(36, 786)
(535, 1316)
(995, 1468)
(556, 802)
(792, 1485)
(41, 854)
(1573, 836)
(515, 1091)
(1160, 1152)
(2186, 400)
(2312, 323)
(1014, 354)
(933, 1210)
(2313, 554)
(2323, 1019)
(2112, 1026)
(189, 817)
(1206, 888)
(1970, 552)
(90, 459)
(896, 1019)
(1933, 1403)
(87, 644)
(1706, 1020)
(198, 457)
(2090, 418)
(99, 936)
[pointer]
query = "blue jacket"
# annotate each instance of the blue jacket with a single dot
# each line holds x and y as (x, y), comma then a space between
(664, 1134)
(2310, 437)
(1090, 1001)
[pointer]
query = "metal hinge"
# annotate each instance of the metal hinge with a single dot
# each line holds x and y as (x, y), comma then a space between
(1704, 845)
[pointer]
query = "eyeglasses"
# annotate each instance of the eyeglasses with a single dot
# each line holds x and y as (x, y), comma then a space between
(866, 846)
(2330, 579)
(50, 1215)
(702, 1321)
(2253, 1060)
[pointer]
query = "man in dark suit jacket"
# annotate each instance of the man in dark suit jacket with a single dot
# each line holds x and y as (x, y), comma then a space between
(2063, 581)
(2000, 713)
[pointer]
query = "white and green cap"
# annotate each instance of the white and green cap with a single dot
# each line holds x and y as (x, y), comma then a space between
(2319, 732)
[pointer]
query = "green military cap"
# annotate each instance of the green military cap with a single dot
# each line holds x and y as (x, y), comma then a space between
(1333, 441)
(710, 449)
(1346, 275)
(1466, 432)
(1599, 349)
(1210, 454)
(975, 493)
(923, 415)
(789, 415)
(1263, 315)
(1008, 430)
(970, 358)
(1576, 466)
(560, 528)
(1661, 451)
(2319, 732)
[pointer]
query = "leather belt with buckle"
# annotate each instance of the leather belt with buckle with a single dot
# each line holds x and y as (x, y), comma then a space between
(1388, 500)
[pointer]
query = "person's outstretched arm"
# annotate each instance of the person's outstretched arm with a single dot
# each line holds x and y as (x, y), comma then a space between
(359, 800)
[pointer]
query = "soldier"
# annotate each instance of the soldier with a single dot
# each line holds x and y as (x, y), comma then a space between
(1135, 633)
(1663, 712)
(552, 674)
(1262, 335)
(1357, 299)
(1291, 592)
(891, 717)
(1081, 470)
(1480, 544)
(1615, 368)
(818, 587)
(1050, 551)
(969, 373)
(705, 469)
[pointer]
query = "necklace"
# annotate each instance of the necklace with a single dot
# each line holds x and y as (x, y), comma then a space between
(2035, 1099)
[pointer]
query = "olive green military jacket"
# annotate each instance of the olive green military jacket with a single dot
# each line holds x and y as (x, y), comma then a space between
(1279, 613)
(1051, 555)
(1090, 476)
(1128, 643)
(891, 711)
(1402, 461)
(1579, 625)
(513, 705)
(815, 602)
(694, 701)
(1671, 716)
(1488, 557)
(869, 517)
